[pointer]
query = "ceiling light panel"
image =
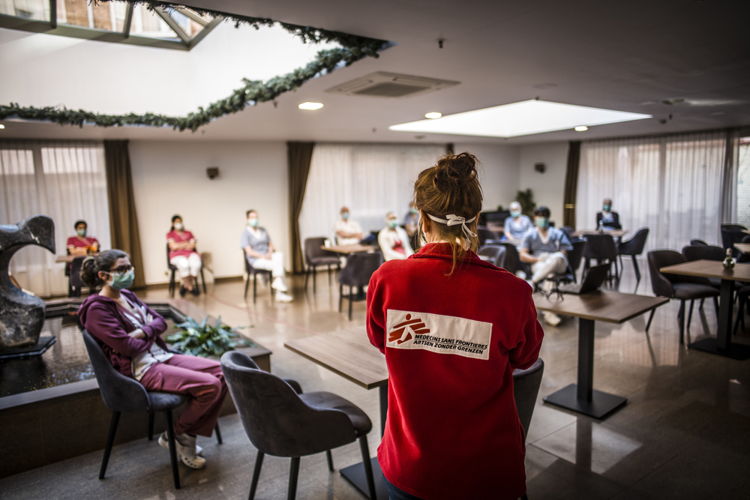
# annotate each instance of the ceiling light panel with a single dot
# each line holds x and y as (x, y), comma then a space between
(517, 119)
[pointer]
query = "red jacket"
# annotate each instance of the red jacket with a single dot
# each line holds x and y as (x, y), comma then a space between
(451, 344)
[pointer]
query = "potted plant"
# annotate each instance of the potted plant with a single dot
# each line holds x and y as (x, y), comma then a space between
(205, 339)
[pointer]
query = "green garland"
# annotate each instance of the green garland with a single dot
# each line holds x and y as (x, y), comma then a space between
(252, 92)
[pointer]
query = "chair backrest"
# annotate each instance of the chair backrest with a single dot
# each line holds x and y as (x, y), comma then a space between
(495, 254)
(359, 268)
(600, 247)
(698, 242)
(169, 264)
(575, 256)
(661, 284)
(706, 252)
(120, 393)
(525, 388)
(312, 248)
(636, 244)
(731, 234)
(511, 260)
(486, 235)
(275, 419)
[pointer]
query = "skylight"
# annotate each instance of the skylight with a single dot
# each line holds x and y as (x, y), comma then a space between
(177, 28)
(517, 119)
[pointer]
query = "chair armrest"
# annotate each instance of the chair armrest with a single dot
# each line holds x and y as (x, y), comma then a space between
(295, 385)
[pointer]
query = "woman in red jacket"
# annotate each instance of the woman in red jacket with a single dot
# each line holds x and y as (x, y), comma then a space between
(452, 329)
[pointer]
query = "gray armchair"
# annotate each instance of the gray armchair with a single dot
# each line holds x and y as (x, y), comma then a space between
(282, 421)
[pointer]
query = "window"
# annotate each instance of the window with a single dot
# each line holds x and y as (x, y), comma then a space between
(176, 28)
(67, 182)
(743, 182)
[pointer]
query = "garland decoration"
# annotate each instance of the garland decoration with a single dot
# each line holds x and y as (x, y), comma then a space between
(251, 93)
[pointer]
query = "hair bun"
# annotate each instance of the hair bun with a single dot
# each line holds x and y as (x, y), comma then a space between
(453, 171)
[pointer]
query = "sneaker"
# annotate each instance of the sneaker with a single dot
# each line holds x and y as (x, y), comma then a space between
(196, 290)
(183, 291)
(283, 297)
(279, 285)
(164, 443)
(551, 319)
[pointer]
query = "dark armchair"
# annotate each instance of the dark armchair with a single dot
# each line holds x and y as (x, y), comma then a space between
(356, 275)
(315, 256)
(282, 421)
(634, 247)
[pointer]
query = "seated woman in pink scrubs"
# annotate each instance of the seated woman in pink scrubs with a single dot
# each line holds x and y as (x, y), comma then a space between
(183, 256)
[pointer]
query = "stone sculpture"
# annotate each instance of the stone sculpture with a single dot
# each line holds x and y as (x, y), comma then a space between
(21, 314)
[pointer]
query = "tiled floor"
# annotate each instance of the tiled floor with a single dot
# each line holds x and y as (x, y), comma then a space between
(685, 432)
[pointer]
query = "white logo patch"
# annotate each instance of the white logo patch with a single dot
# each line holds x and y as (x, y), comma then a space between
(438, 333)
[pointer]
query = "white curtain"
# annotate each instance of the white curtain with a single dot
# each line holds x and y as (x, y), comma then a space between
(672, 185)
(369, 179)
(63, 180)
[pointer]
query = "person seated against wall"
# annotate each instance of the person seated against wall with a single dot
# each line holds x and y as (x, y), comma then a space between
(261, 254)
(545, 248)
(607, 220)
(129, 333)
(348, 231)
(393, 240)
(79, 246)
(183, 256)
(516, 225)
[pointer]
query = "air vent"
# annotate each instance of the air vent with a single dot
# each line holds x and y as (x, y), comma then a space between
(382, 84)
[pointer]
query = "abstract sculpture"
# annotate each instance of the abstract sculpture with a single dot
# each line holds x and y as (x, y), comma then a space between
(21, 314)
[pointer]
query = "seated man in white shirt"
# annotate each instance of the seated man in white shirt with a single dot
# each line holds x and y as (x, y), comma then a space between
(348, 232)
(393, 240)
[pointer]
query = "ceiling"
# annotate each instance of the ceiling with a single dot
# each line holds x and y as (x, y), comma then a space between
(628, 56)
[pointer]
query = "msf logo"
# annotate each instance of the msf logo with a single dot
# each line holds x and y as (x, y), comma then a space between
(405, 331)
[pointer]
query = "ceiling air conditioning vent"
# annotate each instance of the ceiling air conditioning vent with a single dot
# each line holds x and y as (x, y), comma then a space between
(382, 84)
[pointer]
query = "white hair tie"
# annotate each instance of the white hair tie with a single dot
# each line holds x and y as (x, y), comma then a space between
(455, 220)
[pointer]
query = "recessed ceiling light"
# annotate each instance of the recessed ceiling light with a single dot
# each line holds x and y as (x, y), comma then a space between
(581, 128)
(310, 106)
(517, 119)
(2, 126)
(433, 115)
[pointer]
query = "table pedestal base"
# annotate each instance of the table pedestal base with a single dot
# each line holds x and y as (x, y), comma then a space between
(601, 404)
(711, 344)
(355, 474)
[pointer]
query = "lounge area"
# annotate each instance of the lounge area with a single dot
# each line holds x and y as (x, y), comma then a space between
(488, 251)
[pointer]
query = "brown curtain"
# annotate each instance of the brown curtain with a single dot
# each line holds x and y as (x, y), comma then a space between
(571, 184)
(123, 221)
(450, 149)
(299, 155)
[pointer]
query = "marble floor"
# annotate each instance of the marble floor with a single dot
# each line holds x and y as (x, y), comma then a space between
(685, 432)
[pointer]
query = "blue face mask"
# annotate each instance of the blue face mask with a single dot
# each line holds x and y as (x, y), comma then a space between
(252, 222)
(81, 233)
(607, 208)
(123, 280)
(345, 215)
(393, 224)
(515, 213)
(541, 222)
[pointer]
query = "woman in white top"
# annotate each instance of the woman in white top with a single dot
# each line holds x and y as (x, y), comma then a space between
(348, 232)
(393, 240)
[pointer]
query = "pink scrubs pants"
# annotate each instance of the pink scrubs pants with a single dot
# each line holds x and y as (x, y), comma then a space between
(201, 380)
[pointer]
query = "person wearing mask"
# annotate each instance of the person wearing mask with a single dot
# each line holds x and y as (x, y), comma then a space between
(129, 333)
(82, 244)
(261, 254)
(183, 256)
(411, 224)
(545, 248)
(348, 231)
(393, 240)
(452, 328)
(79, 246)
(607, 220)
(516, 225)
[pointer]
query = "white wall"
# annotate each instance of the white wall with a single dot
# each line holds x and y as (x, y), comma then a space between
(498, 171)
(549, 187)
(170, 178)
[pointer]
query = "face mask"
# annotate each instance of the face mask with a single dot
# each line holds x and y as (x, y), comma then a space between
(252, 222)
(412, 210)
(122, 280)
(393, 224)
(607, 208)
(345, 215)
(540, 222)
(81, 233)
(515, 213)
(178, 226)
